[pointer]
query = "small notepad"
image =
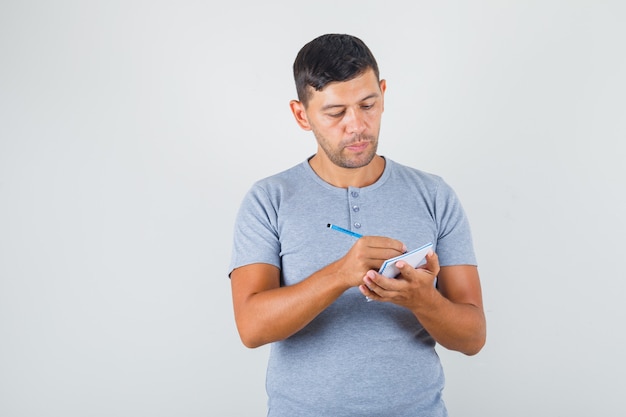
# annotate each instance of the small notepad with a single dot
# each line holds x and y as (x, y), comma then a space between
(415, 258)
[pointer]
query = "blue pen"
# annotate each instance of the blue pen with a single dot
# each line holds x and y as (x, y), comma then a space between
(348, 232)
(342, 230)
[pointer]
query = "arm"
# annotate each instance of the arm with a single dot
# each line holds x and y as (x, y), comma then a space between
(266, 312)
(453, 316)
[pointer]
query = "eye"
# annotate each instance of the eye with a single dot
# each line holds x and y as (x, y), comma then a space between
(367, 106)
(336, 115)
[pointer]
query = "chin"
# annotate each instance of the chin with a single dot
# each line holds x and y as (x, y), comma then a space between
(356, 163)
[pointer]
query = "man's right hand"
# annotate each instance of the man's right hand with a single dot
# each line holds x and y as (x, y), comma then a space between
(368, 252)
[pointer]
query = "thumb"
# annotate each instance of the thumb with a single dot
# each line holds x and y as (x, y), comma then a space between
(432, 263)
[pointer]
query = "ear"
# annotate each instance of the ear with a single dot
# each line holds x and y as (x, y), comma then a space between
(383, 87)
(299, 112)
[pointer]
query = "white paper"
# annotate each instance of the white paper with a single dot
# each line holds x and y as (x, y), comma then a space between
(415, 258)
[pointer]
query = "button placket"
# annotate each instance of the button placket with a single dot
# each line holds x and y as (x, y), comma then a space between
(354, 208)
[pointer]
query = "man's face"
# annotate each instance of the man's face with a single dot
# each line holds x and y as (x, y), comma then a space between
(345, 119)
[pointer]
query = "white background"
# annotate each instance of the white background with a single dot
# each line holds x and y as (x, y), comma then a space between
(130, 130)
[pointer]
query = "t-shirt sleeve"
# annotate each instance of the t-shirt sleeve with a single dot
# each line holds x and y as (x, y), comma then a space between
(454, 240)
(255, 237)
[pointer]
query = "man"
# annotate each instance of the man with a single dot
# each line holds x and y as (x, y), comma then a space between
(302, 287)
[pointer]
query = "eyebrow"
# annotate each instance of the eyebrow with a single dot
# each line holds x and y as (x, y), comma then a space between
(333, 106)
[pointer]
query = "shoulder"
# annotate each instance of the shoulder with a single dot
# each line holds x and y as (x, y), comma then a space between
(276, 185)
(273, 190)
(282, 179)
(416, 177)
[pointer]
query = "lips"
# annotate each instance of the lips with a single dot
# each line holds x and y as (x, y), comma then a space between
(358, 146)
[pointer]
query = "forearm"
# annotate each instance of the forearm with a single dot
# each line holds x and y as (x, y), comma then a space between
(266, 312)
(455, 326)
(277, 313)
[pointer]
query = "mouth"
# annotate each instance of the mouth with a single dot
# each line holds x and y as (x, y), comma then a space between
(358, 146)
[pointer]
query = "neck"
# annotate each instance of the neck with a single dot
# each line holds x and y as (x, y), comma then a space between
(348, 177)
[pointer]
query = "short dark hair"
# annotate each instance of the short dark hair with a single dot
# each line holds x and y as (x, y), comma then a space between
(328, 58)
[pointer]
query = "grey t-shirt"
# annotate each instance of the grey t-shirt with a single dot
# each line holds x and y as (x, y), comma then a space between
(356, 358)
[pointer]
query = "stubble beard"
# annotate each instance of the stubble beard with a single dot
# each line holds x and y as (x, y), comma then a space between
(338, 157)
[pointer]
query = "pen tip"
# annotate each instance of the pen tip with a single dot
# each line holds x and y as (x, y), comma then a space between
(328, 225)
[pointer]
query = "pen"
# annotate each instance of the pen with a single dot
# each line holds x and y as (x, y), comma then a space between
(351, 233)
(342, 230)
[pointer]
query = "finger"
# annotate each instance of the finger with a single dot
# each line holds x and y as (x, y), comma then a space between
(369, 295)
(429, 268)
(409, 272)
(405, 269)
(379, 284)
(380, 242)
(432, 262)
(369, 287)
(368, 280)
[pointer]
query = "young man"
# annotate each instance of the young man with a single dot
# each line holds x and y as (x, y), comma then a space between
(302, 287)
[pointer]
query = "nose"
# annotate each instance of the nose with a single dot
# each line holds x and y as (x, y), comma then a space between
(355, 122)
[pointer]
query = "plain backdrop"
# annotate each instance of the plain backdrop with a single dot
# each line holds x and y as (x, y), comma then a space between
(130, 131)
